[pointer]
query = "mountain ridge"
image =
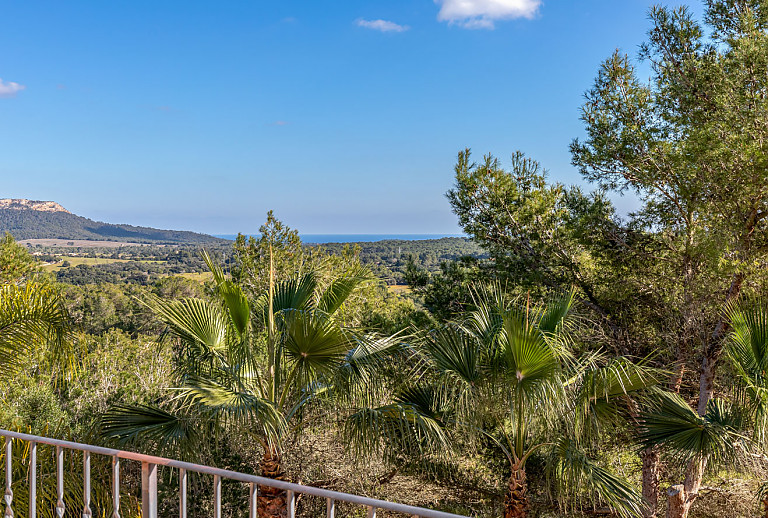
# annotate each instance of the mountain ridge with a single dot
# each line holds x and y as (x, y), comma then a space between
(34, 219)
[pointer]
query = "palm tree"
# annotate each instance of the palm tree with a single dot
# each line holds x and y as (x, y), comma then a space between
(693, 441)
(35, 324)
(255, 365)
(747, 351)
(716, 439)
(506, 372)
(32, 316)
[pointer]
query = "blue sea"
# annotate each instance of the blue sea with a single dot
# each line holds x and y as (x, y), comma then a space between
(356, 238)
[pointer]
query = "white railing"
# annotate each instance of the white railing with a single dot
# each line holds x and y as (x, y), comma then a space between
(149, 466)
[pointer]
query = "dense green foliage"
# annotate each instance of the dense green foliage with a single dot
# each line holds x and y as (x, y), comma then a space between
(16, 263)
(389, 259)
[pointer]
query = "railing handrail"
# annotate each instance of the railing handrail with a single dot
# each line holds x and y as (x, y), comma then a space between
(233, 475)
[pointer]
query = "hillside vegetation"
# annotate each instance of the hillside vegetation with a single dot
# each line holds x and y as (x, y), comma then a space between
(24, 222)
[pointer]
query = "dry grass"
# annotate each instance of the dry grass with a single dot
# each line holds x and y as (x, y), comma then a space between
(732, 498)
(75, 261)
(196, 276)
(317, 458)
(90, 261)
(78, 243)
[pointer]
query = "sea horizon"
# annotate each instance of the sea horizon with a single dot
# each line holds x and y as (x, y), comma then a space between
(315, 239)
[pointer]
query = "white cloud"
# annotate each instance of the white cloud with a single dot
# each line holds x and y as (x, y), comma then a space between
(480, 14)
(9, 88)
(382, 25)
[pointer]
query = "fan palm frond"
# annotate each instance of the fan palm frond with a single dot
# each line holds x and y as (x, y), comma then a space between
(225, 399)
(237, 304)
(602, 393)
(314, 345)
(130, 423)
(454, 353)
(365, 373)
(747, 350)
(410, 425)
(456, 358)
(555, 314)
(677, 428)
(526, 356)
(486, 320)
(342, 287)
(572, 472)
(295, 293)
(194, 321)
(31, 316)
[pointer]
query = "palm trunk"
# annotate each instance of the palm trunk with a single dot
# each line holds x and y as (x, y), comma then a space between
(516, 501)
(272, 501)
(650, 472)
(680, 497)
(650, 458)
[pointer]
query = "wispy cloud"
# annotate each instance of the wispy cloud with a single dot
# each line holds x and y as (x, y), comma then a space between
(279, 123)
(382, 25)
(9, 88)
(481, 14)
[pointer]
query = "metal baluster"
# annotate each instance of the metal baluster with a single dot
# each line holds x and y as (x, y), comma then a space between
(331, 508)
(291, 505)
(8, 476)
(182, 493)
(371, 512)
(115, 487)
(216, 496)
(148, 490)
(33, 479)
(86, 484)
(60, 482)
(253, 497)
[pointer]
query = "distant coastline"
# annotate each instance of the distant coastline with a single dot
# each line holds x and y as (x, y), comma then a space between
(356, 238)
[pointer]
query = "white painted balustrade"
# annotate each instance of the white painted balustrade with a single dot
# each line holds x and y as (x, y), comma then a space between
(149, 467)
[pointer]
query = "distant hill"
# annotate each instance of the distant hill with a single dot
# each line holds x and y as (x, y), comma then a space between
(30, 219)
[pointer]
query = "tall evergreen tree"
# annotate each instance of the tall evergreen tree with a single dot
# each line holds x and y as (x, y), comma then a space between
(693, 146)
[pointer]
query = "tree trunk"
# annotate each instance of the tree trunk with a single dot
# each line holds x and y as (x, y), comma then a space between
(272, 501)
(679, 500)
(650, 456)
(714, 348)
(676, 507)
(650, 481)
(680, 497)
(707, 380)
(516, 502)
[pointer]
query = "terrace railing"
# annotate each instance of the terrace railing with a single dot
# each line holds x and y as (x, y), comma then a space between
(149, 465)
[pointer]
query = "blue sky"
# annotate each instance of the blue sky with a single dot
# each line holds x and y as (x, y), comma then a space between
(343, 117)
